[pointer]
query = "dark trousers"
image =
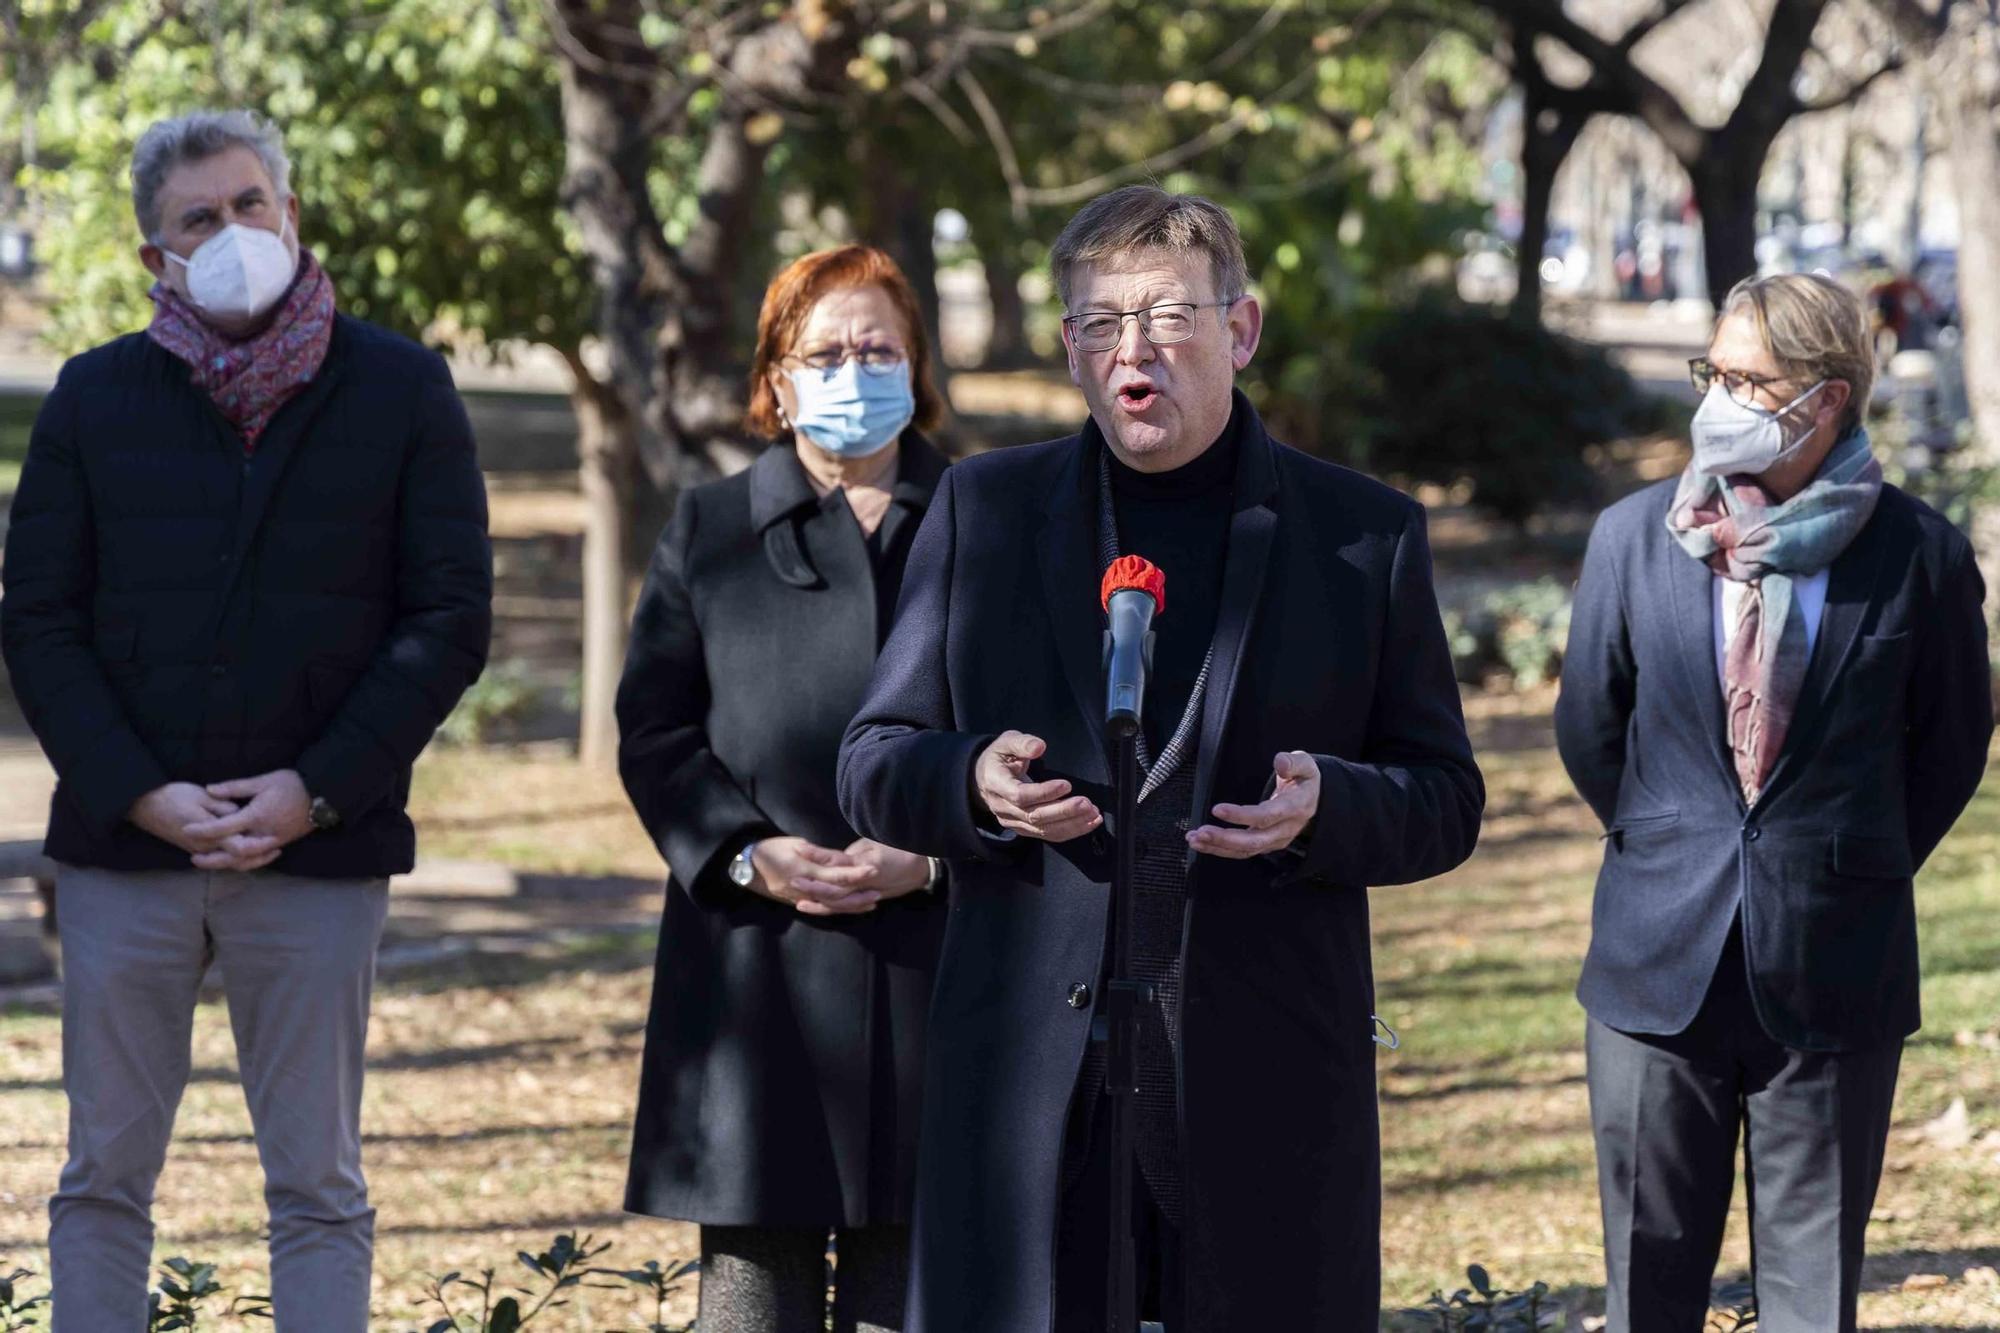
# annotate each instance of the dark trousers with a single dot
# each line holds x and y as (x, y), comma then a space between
(774, 1280)
(1083, 1244)
(1666, 1112)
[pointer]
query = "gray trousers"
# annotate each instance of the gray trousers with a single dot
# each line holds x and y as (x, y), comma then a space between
(297, 958)
(1666, 1112)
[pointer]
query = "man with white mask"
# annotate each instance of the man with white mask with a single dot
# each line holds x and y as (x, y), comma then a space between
(1777, 699)
(247, 576)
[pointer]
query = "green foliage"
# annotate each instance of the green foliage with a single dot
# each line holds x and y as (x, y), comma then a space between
(1486, 1308)
(17, 1308)
(1463, 394)
(185, 1286)
(1521, 630)
(427, 150)
(503, 698)
(659, 1283)
(562, 1268)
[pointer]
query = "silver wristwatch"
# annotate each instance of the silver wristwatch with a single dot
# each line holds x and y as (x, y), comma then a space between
(741, 872)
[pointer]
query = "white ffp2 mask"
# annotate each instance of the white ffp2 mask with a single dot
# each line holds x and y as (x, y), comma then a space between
(1731, 439)
(240, 272)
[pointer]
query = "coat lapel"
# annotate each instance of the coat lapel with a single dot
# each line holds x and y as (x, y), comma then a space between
(1853, 583)
(1253, 524)
(1069, 586)
(1691, 594)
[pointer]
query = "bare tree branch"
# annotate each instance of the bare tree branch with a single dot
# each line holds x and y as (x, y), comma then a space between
(996, 131)
(1080, 15)
(1645, 27)
(1854, 91)
(926, 96)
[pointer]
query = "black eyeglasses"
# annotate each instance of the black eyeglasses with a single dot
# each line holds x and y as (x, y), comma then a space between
(1173, 322)
(1740, 385)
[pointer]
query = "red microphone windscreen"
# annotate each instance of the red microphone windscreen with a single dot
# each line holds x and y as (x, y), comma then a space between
(1134, 571)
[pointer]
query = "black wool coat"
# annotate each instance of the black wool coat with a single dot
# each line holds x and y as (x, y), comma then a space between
(783, 1052)
(1886, 746)
(177, 611)
(1328, 640)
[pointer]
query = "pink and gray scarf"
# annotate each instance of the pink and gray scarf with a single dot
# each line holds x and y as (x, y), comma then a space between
(1735, 527)
(250, 379)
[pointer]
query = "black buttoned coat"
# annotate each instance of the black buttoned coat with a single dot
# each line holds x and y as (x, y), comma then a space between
(783, 1052)
(1328, 640)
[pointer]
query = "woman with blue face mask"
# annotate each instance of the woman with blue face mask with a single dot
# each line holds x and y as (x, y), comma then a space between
(779, 1092)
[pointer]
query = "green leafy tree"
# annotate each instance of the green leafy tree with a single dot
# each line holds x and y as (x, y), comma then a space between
(426, 137)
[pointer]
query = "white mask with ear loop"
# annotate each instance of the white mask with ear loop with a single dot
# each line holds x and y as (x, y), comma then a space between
(1731, 439)
(240, 272)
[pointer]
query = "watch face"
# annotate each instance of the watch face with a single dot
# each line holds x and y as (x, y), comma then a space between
(741, 872)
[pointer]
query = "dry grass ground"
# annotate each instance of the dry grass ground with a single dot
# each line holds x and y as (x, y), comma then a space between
(500, 1088)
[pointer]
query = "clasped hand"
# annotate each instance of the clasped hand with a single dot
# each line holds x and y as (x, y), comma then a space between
(238, 825)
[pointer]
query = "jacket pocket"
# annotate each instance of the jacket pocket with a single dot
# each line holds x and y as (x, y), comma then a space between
(1865, 857)
(1640, 825)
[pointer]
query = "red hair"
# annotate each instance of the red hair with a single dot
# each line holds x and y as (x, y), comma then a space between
(789, 300)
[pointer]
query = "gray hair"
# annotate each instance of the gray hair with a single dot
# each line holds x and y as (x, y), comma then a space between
(193, 138)
(1145, 217)
(1814, 328)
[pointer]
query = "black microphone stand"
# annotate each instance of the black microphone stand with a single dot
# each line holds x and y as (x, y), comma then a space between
(1122, 998)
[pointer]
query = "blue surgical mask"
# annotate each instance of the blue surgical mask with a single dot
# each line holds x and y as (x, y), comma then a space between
(850, 412)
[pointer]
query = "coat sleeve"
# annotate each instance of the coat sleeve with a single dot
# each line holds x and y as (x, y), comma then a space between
(1598, 680)
(436, 645)
(697, 813)
(905, 774)
(47, 633)
(1409, 806)
(1950, 707)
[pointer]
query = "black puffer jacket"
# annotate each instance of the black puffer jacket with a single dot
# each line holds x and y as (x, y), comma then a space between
(175, 610)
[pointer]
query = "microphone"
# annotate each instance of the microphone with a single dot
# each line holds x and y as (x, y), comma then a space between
(1133, 592)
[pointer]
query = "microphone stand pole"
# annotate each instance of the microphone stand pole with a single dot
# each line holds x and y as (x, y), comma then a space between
(1123, 996)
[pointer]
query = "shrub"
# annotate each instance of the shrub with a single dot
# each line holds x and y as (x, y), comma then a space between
(1521, 629)
(1489, 1309)
(496, 705)
(16, 1307)
(1459, 393)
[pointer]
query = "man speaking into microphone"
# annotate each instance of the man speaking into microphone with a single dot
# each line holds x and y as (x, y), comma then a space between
(1301, 739)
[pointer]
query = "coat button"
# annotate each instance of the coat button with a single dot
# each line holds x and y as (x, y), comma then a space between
(1754, 834)
(1079, 995)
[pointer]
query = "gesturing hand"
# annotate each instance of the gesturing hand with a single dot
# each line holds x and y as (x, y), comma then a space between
(1272, 825)
(277, 812)
(1044, 810)
(171, 813)
(814, 880)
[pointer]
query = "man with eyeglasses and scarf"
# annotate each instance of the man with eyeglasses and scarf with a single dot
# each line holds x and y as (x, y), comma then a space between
(1777, 699)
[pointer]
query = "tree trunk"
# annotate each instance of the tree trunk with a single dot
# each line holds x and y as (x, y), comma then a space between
(608, 475)
(1548, 132)
(1007, 347)
(1725, 192)
(1967, 108)
(1547, 135)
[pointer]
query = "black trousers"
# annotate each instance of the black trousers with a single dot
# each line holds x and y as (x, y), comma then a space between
(1666, 1113)
(1083, 1244)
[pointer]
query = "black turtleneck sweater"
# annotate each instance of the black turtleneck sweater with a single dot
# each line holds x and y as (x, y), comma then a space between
(1179, 520)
